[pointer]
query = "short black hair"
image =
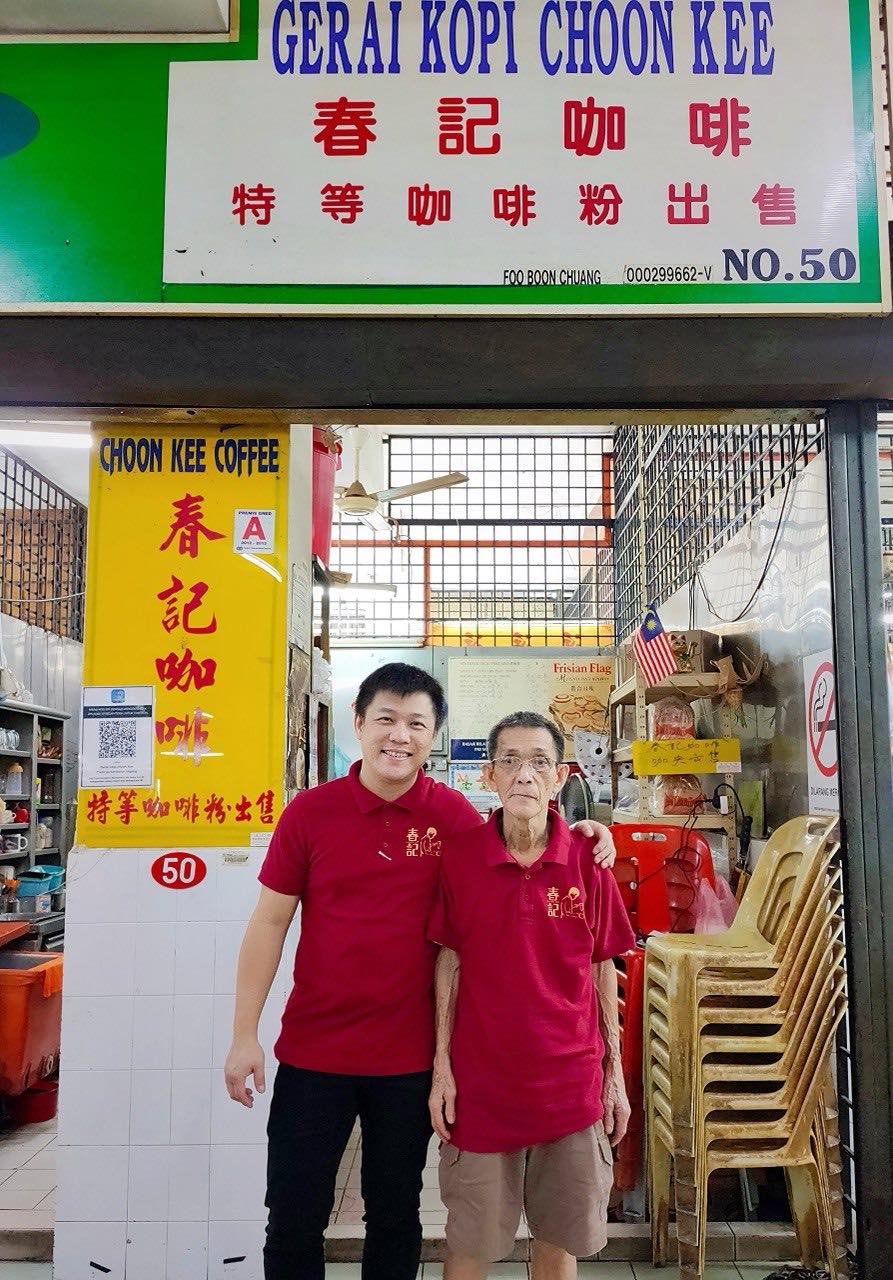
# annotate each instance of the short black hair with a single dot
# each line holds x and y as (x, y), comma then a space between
(402, 679)
(526, 720)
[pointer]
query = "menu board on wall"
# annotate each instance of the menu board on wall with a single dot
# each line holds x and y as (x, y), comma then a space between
(573, 692)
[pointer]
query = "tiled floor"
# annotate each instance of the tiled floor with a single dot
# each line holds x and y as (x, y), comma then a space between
(505, 1271)
(348, 1209)
(28, 1178)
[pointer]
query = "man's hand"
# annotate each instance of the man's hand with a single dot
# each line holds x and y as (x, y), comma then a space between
(616, 1103)
(245, 1058)
(603, 850)
(442, 1099)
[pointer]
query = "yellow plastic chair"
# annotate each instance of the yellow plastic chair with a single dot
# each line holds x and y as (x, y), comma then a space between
(736, 1077)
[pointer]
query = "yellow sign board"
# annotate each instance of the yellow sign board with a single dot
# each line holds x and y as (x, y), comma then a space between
(686, 755)
(186, 595)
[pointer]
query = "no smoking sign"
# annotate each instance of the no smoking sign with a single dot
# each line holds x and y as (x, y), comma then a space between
(821, 732)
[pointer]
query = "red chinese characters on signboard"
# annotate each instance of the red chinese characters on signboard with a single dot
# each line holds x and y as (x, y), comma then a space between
(777, 205)
(427, 206)
(600, 205)
(687, 207)
(343, 203)
(258, 200)
(193, 808)
(514, 205)
(590, 129)
(188, 523)
(466, 126)
(471, 126)
(345, 127)
(719, 125)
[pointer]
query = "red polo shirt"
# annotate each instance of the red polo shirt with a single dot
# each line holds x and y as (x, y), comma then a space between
(365, 870)
(526, 1047)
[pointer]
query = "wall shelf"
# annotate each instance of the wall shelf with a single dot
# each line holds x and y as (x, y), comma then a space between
(633, 692)
(29, 721)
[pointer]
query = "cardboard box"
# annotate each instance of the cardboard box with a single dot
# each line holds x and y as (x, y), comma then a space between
(695, 652)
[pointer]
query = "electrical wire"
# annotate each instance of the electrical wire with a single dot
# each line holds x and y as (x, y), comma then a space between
(697, 576)
(75, 595)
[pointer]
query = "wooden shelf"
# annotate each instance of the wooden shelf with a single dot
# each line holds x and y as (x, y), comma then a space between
(689, 685)
(49, 760)
(13, 826)
(9, 795)
(49, 804)
(702, 822)
(18, 754)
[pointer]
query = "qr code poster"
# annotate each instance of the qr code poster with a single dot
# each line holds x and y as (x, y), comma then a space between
(117, 736)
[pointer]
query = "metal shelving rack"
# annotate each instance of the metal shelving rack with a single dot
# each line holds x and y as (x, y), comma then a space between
(691, 686)
(28, 721)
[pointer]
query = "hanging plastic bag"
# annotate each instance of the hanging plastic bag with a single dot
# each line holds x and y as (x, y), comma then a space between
(712, 907)
(727, 903)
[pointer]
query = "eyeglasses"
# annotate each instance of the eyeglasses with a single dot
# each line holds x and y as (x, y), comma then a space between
(511, 764)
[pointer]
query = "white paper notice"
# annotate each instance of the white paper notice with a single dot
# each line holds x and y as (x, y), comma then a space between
(117, 736)
(254, 530)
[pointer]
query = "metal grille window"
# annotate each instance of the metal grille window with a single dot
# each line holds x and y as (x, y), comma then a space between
(682, 492)
(43, 537)
(520, 555)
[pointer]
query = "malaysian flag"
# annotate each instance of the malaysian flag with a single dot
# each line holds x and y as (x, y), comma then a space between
(652, 649)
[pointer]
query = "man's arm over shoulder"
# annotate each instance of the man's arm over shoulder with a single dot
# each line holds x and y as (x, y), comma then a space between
(461, 813)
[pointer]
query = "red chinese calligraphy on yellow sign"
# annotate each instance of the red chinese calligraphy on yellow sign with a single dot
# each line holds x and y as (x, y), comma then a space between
(171, 603)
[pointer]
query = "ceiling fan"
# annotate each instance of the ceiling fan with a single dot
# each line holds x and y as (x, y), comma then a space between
(355, 501)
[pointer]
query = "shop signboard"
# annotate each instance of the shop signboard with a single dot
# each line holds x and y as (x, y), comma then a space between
(574, 692)
(182, 625)
(821, 733)
(454, 157)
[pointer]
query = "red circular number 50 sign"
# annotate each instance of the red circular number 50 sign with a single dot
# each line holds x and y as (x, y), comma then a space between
(179, 870)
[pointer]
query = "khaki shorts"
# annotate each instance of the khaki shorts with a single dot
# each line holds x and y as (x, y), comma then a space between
(562, 1186)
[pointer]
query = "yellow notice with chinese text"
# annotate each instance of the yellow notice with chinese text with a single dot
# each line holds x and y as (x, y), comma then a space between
(686, 755)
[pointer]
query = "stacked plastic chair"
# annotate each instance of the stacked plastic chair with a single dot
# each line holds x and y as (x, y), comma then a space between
(657, 870)
(739, 1031)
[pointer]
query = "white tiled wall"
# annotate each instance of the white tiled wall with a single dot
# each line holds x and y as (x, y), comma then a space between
(158, 1171)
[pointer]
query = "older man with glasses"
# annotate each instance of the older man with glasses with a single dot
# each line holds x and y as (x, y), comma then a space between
(528, 1093)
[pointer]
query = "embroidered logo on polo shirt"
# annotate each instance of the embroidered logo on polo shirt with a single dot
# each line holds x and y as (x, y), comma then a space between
(570, 907)
(428, 846)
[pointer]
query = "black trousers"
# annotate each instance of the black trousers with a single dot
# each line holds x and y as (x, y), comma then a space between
(312, 1114)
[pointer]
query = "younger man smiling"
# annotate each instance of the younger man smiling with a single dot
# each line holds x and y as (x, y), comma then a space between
(362, 855)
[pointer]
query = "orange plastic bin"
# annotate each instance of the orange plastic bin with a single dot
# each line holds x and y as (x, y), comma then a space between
(30, 1018)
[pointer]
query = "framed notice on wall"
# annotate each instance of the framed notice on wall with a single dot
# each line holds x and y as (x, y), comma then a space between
(573, 692)
(544, 157)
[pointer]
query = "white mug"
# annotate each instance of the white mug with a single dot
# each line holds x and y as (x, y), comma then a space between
(15, 842)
